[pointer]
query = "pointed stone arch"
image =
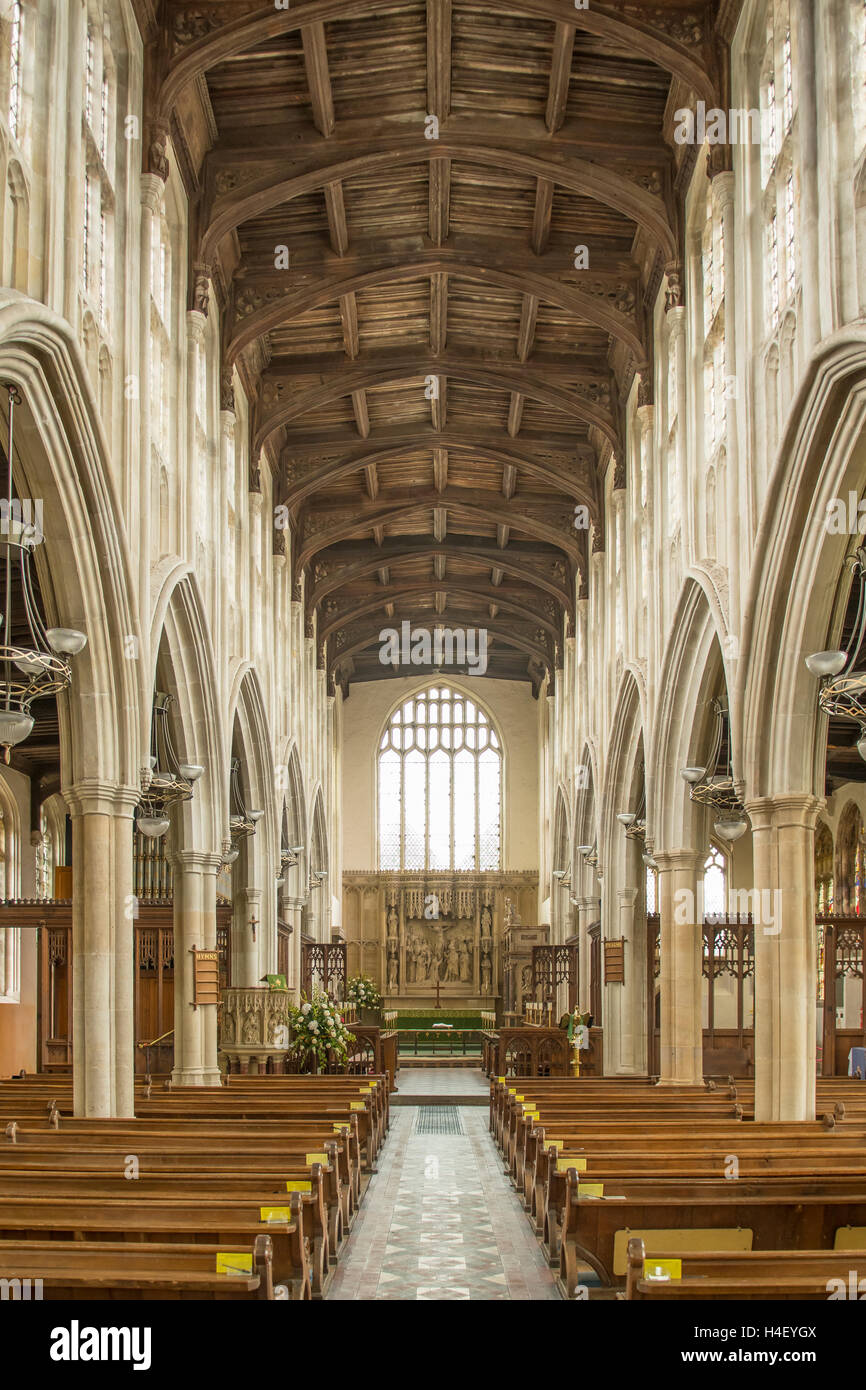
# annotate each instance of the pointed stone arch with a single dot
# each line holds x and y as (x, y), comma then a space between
(181, 635)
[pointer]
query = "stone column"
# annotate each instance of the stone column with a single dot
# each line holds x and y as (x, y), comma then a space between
(680, 981)
(248, 904)
(195, 1029)
(588, 911)
(632, 992)
(102, 954)
(124, 954)
(783, 832)
(292, 909)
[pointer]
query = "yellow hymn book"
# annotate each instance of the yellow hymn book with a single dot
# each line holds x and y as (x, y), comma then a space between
(227, 1262)
(657, 1269)
(316, 1158)
(294, 1185)
(563, 1165)
(276, 1213)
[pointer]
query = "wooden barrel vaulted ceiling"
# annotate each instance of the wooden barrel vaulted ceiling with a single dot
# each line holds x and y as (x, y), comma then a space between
(436, 384)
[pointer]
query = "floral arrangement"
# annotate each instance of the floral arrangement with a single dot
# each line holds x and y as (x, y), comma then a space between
(363, 992)
(318, 1030)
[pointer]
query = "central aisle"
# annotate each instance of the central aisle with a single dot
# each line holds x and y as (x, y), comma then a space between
(440, 1219)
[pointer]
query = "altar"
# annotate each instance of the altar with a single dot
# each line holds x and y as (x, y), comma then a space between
(434, 940)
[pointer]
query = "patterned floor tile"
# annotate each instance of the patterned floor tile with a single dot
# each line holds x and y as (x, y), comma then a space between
(441, 1222)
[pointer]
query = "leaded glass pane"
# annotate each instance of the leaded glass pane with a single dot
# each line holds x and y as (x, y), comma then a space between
(489, 792)
(414, 810)
(464, 811)
(440, 811)
(389, 811)
(440, 789)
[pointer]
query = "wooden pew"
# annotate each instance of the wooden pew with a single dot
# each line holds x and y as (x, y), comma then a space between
(777, 1221)
(747, 1274)
(78, 1271)
(235, 1168)
(172, 1221)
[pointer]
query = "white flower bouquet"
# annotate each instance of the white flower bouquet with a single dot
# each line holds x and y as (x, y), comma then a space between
(318, 1030)
(363, 992)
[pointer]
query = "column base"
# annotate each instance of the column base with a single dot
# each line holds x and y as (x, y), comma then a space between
(197, 1076)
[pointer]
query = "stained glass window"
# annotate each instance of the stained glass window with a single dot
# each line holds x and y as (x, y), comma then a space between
(440, 785)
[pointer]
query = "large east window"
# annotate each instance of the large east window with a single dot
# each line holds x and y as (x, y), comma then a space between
(440, 785)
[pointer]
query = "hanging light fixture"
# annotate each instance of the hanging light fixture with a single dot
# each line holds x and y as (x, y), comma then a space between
(634, 822)
(713, 785)
(166, 782)
(843, 689)
(40, 667)
(242, 823)
(288, 855)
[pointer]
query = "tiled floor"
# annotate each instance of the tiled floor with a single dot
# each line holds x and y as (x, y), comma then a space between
(442, 1081)
(441, 1221)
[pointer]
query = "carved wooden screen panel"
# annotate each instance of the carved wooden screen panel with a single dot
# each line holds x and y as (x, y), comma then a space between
(728, 968)
(517, 1059)
(335, 970)
(312, 967)
(844, 939)
(542, 972)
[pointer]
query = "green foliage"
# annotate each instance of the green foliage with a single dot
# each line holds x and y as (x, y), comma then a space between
(363, 992)
(319, 1031)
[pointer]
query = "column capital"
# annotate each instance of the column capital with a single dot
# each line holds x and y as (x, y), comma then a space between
(676, 321)
(195, 326)
(204, 860)
(626, 896)
(787, 809)
(672, 859)
(722, 190)
(93, 797)
(152, 189)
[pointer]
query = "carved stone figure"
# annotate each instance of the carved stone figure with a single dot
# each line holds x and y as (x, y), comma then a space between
(251, 1030)
(452, 964)
(425, 960)
(393, 920)
(465, 961)
(485, 975)
(411, 959)
(486, 921)
(392, 974)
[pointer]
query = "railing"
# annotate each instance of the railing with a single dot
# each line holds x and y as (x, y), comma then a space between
(154, 1042)
(440, 1041)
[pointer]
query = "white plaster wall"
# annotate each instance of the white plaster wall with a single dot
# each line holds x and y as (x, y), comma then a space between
(514, 712)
